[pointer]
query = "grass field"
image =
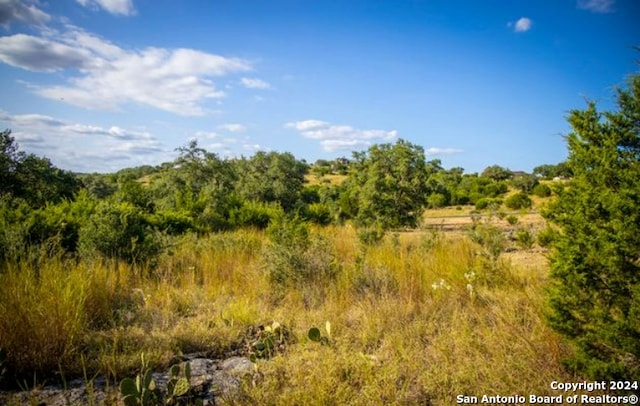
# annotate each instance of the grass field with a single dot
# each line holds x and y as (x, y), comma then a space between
(420, 318)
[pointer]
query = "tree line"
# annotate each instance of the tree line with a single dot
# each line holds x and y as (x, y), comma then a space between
(126, 214)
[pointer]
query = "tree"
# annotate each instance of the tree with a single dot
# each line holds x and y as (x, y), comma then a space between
(30, 177)
(197, 168)
(9, 157)
(518, 201)
(119, 231)
(547, 171)
(98, 185)
(197, 187)
(497, 173)
(525, 182)
(271, 177)
(389, 185)
(595, 266)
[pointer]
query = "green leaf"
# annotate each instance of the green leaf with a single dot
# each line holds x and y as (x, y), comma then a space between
(139, 386)
(181, 388)
(314, 334)
(175, 370)
(130, 400)
(128, 387)
(268, 343)
(148, 378)
(187, 371)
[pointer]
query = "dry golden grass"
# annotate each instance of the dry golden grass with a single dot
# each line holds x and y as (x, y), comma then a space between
(331, 179)
(417, 319)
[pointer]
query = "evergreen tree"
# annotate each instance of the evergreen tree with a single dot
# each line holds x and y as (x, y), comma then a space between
(595, 264)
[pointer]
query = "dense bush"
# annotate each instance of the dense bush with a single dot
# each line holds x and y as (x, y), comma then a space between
(525, 182)
(293, 256)
(541, 190)
(119, 231)
(546, 236)
(488, 203)
(14, 214)
(525, 238)
(436, 200)
(319, 213)
(518, 201)
(173, 222)
(254, 214)
(495, 189)
(32, 178)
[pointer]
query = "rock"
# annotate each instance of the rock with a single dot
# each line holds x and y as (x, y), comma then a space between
(211, 380)
(238, 367)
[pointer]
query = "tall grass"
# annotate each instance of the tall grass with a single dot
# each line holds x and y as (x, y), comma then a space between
(416, 319)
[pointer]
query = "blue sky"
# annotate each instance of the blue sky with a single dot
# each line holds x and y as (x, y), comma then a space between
(98, 85)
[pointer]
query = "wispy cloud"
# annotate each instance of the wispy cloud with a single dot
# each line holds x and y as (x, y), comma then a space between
(122, 7)
(523, 24)
(254, 83)
(232, 127)
(40, 54)
(70, 144)
(340, 137)
(442, 151)
(24, 11)
(224, 145)
(174, 80)
(597, 6)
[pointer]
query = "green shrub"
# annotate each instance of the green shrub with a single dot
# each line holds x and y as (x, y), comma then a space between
(319, 213)
(491, 238)
(541, 190)
(526, 182)
(512, 220)
(173, 222)
(293, 256)
(254, 214)
(524, 238)
(436, 200)
(488, 203)
(119, 231)
(495, 189)
(546, 236)
(518, 201)
(54, 225)
(371, 235)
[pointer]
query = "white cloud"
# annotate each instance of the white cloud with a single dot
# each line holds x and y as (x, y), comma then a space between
(39, 54)
(232, 127)
(174, 80)
(442, 151)
(340, 137)
(522, 25)
(224, 146)
(24, 11)
(206, 135)
(123, 7)
(254, 83)
(596, 6)
(84, 147)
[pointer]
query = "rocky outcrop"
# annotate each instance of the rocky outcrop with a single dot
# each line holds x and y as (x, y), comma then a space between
(212, 381)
